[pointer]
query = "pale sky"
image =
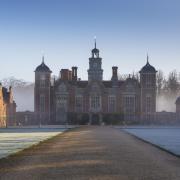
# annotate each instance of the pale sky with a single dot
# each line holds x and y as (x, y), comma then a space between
(64, 30)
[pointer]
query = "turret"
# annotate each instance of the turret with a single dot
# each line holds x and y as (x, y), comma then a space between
(148, 90)
(42, 93)
(95, 72)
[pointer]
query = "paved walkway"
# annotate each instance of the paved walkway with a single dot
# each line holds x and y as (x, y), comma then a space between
(97, 153)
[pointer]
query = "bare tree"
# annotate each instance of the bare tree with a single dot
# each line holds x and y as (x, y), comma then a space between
(12, 81)
(173, 85)
(160, 81)
(123, 77)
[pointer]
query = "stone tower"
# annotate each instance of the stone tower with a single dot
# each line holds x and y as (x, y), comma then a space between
(95, 72)
(42, 93)
(148, 91)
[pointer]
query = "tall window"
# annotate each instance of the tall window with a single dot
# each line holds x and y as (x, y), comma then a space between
(42, 80)
(62, 102)
(42, 83)
(129, 104)
(112, 103)
(42, 103)
(79, 103)
(148, 104)
(95, 102)
(148, 80)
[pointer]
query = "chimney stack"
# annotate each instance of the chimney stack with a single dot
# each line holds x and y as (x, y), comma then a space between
(66, 75)
(114, 73)
(74, 73)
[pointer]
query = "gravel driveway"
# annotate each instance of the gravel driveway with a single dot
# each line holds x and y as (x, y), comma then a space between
(97, 153)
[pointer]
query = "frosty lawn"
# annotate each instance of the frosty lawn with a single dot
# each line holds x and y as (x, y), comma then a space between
(167, 138)
(14, 140)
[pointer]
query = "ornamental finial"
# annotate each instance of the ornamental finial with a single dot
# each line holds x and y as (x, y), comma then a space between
(147, 58)
(95, 42)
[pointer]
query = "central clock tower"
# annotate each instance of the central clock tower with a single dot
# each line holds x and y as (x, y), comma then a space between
(95, 71)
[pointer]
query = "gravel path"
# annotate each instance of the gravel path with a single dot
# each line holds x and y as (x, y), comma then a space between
(97, 153)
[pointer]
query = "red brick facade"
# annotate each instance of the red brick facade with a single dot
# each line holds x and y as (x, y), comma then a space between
(56, 101)
(7, 107)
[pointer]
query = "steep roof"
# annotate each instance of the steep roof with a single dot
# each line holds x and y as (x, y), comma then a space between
(43, 67)
(148, 68)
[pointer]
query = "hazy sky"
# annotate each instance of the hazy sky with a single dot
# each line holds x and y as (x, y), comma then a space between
(64, 29)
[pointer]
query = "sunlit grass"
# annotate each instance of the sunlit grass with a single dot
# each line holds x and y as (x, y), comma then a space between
(15, 140)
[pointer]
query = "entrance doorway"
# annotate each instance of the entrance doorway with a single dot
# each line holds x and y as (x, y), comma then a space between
(95, 119)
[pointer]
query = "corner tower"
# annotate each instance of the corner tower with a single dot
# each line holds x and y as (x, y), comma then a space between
(42, 93)
(148, 90)
(95, 71)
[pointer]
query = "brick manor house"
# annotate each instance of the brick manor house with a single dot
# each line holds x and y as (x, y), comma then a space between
(69, 99)
(7, 107)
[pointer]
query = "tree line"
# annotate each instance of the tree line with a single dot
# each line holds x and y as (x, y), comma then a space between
(168, 85)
